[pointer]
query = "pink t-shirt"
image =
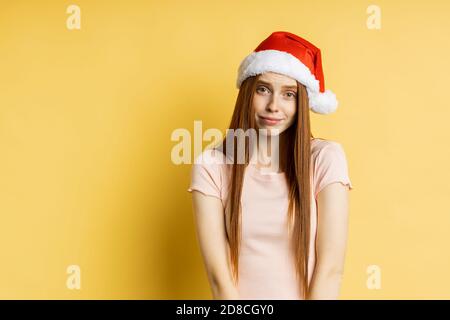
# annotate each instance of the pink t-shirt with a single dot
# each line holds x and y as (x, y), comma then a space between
(266, 260)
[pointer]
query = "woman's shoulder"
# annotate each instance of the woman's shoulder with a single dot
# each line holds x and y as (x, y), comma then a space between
(211, 156)
(321, 146)
(327, 153)
(206, 173)
(329, 164)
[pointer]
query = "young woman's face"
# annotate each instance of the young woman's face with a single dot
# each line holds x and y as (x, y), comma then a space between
(275, 102)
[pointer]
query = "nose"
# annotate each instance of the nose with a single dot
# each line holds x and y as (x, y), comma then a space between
(272, 105)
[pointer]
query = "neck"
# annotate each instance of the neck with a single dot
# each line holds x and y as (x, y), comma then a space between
(269, 151)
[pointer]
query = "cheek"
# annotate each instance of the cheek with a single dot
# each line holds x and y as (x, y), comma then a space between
(259, 103)
(291, 112)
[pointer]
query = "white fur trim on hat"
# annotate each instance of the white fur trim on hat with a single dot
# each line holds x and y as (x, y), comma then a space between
(287, 64)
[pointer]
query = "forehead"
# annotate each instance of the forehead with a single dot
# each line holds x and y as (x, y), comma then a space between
(277, 79)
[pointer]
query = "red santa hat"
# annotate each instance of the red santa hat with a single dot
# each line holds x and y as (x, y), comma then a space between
(290, 55)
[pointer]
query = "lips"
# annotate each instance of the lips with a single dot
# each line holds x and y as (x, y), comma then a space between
(270, 121)
(269, 118)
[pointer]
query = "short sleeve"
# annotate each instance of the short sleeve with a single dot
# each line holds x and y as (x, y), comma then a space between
(331, 166)
(206, 175)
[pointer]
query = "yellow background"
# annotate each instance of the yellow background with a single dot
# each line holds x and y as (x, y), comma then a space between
(86, 118)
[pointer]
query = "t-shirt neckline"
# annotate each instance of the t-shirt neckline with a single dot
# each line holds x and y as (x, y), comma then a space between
(267, 174)
(264, 174)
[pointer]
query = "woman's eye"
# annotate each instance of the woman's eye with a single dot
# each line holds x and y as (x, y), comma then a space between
(264, 89)
(261, 89)
(291, 94)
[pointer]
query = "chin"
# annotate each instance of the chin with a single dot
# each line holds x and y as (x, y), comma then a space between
(271, 131)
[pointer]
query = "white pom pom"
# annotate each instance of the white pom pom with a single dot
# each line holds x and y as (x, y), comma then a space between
(322, 102)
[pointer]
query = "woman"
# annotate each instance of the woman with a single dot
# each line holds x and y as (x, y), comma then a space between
(275, 231)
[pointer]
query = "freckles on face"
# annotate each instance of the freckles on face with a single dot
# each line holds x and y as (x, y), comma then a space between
(275, 101)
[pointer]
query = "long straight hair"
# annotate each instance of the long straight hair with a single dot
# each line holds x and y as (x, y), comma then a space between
(296, 141)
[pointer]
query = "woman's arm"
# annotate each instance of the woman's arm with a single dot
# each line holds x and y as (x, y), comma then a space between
(210, 225)
(332, 227)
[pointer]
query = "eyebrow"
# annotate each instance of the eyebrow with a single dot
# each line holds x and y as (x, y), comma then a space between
(268, 84)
